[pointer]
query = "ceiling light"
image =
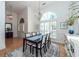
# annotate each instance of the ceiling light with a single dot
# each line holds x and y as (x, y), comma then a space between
(10, 16)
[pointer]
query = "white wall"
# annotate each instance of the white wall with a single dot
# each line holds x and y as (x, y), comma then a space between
(13, 21)
(2, 25)
(61, 10)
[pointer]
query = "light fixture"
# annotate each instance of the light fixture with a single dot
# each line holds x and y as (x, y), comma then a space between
(39, 13)
(40, 4)
(10, 16)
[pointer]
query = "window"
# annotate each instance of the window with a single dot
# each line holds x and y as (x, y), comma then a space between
(48, 24)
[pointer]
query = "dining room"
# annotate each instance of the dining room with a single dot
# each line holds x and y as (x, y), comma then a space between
(39, 29)
(39, 23)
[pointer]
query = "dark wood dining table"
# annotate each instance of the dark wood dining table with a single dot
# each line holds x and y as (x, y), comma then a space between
(35, 40)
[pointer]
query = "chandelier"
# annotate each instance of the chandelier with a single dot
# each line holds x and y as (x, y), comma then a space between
(39, 13)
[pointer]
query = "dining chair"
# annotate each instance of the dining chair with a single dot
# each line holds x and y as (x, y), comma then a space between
(41, 45)
(45, 43)
(33, 33)
(48, 42)
(27, 42)
(38, 33)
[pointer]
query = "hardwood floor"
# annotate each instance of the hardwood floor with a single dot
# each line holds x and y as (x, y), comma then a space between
(12, 44)
(62, 51)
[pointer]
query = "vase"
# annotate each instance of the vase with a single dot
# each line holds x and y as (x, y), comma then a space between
(71, 30)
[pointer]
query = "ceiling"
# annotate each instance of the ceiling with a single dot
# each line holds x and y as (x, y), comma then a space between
(18, 6)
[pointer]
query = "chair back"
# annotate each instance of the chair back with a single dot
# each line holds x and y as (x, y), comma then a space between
(44, 39)
(33, 33)
(38, 33)
(47, 36)
(28, 35)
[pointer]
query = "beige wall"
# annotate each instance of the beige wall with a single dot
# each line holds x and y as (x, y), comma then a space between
(33, 21)
(23, 14)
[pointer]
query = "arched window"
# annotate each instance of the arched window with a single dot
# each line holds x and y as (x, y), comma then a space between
(48, 24)
(48, 16)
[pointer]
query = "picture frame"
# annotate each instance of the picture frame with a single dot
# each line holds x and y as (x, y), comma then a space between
(8, 26)
(63, 25)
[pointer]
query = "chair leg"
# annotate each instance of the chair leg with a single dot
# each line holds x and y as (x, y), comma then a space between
(41, 52)
(44, 49)
(23, 45)
(30, 48)
(26, 45)
(48, 44)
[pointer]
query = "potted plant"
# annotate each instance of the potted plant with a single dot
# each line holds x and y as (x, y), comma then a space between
(70, 23)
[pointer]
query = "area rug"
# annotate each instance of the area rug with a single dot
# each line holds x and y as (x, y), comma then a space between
(53, 51)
